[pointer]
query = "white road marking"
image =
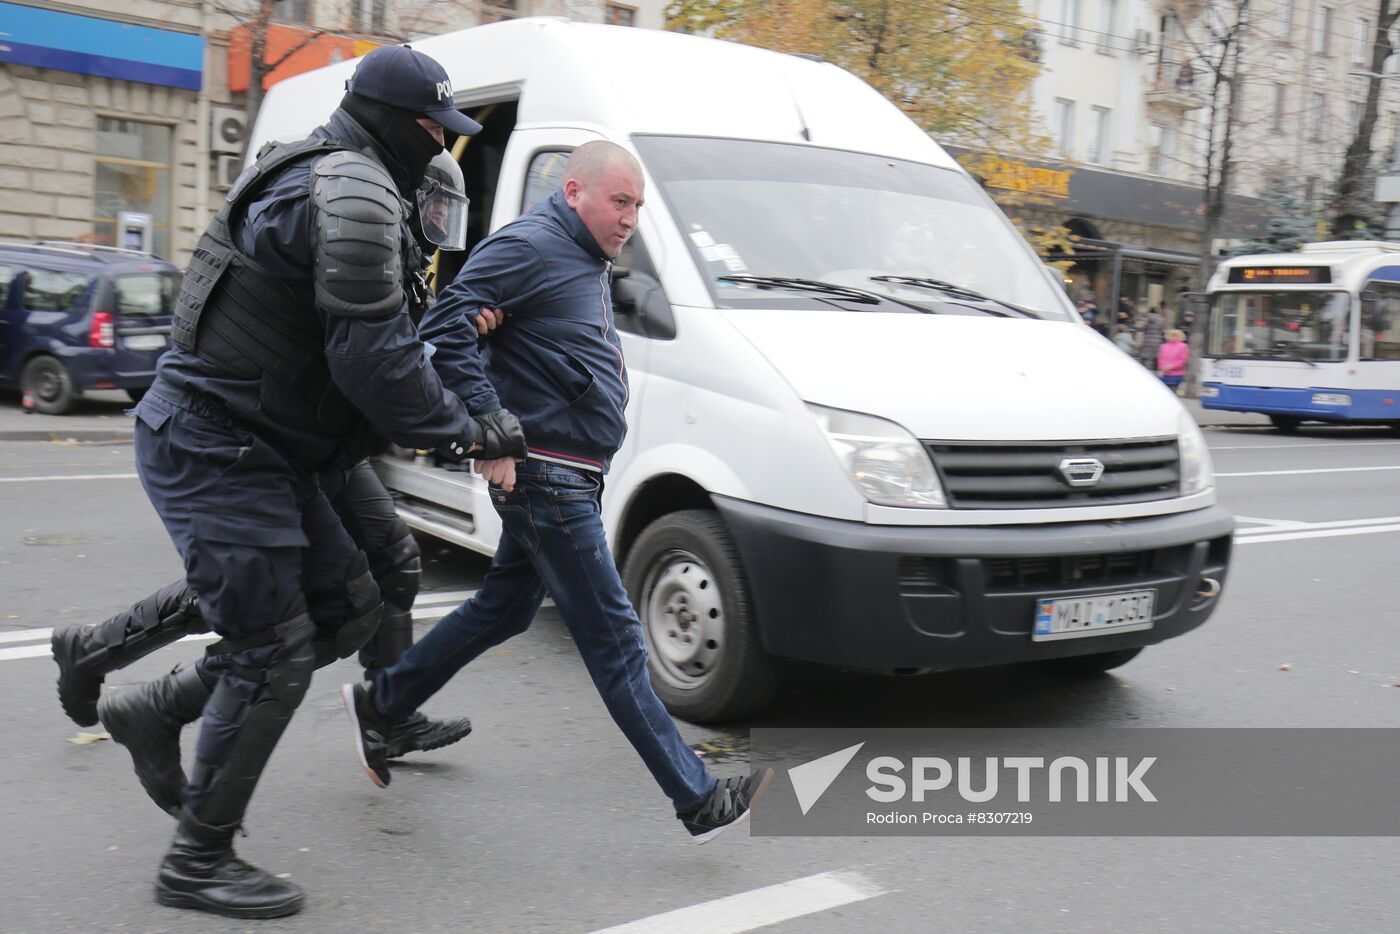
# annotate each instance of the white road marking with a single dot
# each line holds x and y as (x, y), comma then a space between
(433, 606)
(1314, 533)
(758, 908)
(1290, 525)
(42, 651)
(1318, 444)
(1290, 473)
(71, 476)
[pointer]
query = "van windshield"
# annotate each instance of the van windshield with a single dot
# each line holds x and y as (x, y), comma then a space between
(754, 209)
(149, 294)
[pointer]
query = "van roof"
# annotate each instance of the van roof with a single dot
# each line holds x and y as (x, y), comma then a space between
(624, 81)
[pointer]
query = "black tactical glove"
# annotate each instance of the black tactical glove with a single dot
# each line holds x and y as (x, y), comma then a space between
(500, 435)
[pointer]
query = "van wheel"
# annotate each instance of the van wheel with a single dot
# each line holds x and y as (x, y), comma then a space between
(1286, 423)
(687, 583)
(1095, 664)
(50, 384)
(136, 395)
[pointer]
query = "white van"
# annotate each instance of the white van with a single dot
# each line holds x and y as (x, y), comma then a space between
(866, 427)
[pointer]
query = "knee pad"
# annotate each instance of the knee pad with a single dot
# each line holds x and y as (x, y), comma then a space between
(398, 567)
(246, 717)
(360, 596)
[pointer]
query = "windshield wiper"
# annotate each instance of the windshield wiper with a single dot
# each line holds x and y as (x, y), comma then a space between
(843, 292)
(951, 288)
(1292, 358)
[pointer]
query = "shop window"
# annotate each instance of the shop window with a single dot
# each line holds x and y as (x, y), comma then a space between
(617, 14)
(133, 174)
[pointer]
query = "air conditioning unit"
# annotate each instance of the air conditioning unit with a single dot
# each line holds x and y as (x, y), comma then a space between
(1144, 41)
(226, 171)
(228, 130)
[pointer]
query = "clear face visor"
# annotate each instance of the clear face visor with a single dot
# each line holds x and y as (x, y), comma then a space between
(442, 204)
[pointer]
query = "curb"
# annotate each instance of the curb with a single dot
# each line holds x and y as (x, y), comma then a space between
(79, 435)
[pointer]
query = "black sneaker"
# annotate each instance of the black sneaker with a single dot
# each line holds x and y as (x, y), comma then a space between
(419, 734)
(372, 732)
(728, 805)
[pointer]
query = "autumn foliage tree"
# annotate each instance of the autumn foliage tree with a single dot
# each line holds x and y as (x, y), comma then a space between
(961, 69)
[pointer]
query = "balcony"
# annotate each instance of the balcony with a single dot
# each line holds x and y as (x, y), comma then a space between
(1175, 89)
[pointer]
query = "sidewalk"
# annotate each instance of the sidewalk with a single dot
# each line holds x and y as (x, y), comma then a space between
(100, 416)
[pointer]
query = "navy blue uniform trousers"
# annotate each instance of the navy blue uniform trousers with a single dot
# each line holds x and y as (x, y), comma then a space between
(258, 538)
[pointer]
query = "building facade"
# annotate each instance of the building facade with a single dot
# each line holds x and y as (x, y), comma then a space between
(1125, 99)
(127, 127)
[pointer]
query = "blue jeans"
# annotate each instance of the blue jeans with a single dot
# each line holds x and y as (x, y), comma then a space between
(554, 544)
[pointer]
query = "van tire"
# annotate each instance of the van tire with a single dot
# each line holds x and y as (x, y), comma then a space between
(1096, 663)
(50, 385)
(1287, 424)
(688, 560)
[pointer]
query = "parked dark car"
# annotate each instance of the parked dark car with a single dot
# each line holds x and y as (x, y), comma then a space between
(76, 316)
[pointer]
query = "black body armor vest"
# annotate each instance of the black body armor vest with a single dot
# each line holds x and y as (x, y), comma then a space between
(254, 325)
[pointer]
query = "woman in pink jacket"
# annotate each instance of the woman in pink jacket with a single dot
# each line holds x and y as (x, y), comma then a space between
(1172, 357)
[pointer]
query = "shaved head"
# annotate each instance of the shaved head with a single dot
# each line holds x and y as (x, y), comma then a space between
(591, 160)
(603, 184)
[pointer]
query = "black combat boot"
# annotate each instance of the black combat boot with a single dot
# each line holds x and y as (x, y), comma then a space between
(147, 720)
(419, 734)
(87, 654)
(201, 871)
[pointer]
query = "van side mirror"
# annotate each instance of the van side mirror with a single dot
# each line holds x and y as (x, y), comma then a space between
(641, 305)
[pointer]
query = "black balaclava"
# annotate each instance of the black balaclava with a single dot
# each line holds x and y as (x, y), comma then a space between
(407, 147)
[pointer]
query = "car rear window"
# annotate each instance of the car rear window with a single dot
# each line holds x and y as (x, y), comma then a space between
(147, 293)
(51, 290)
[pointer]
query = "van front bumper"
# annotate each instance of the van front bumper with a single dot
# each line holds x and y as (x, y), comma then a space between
(899, 597)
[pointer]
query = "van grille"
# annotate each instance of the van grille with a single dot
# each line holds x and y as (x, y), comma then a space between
(1028, 475)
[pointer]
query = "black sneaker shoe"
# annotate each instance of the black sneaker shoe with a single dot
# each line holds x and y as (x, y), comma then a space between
(728, 805)
(419, 734)
(372, 732)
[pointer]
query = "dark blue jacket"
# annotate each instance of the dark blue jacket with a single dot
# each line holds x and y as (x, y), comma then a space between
(377, 363)
(556, 362)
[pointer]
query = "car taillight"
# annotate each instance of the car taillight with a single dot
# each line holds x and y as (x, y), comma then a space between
(103, 330)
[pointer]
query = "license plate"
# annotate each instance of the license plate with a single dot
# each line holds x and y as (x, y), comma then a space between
(1099, 615)
(145, 342)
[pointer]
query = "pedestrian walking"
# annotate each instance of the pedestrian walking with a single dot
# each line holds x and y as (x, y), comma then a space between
(1153, 328)
(1172, 357)
(558, 364)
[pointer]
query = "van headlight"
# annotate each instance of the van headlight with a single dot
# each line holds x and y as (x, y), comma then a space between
(1197, 473)
(887, 464)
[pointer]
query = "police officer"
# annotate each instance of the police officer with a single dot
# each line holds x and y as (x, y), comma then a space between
(294, 341)
(87, 654)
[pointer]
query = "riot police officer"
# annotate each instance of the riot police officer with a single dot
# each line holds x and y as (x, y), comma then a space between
(87, 654)
(294, 344)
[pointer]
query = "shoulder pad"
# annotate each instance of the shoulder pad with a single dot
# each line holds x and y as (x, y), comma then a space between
(356, 219)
